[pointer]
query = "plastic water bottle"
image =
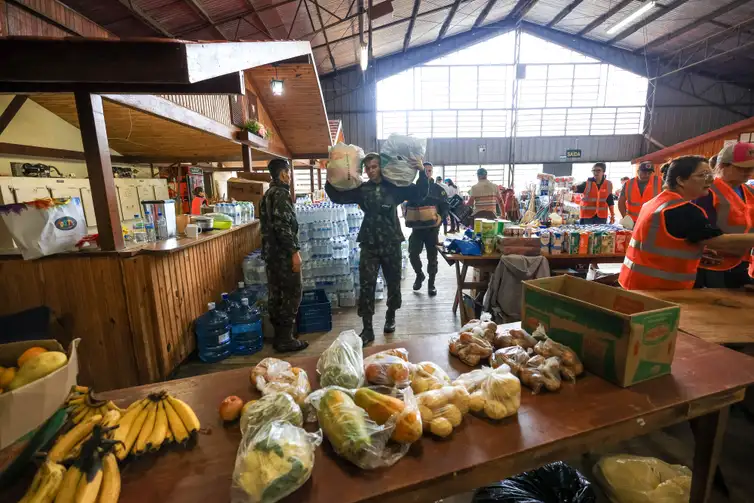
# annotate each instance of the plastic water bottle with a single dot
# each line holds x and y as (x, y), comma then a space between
(139, 231)
(227, 304)
(149, 227)
(213, 335)
(245, 329)
(162, 226)
(237, 214)
(243, 292)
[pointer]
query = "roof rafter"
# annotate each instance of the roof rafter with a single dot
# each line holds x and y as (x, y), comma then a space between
(660, 11)
(485, 12)
(448, 19)
(324, 33)
(197, 8)
(563, 13)
(145, 18)
(604, 17)
(410, 30)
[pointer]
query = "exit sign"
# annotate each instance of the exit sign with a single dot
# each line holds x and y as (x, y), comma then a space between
(573, 153)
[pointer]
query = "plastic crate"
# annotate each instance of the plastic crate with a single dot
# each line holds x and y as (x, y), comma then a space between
(314, 313)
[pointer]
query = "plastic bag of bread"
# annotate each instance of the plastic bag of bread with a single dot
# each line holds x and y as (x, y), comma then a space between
(442, 409)
(389, 368)
(515, 357)
(469, 348)
(342, 364)
(272, 375)
(484, 327)
(428, 376)
(494, 393)
(570, 365)
(509, 337)
(541, 373)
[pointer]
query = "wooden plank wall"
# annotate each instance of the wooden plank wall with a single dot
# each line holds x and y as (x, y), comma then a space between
(35, 20)
(214, 106)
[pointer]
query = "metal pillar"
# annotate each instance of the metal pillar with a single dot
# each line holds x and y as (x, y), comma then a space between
(514, 107)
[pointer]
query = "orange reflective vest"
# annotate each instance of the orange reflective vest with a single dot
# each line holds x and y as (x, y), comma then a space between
(655, 260)
(635, 199)
(734, 216)
(594, 199)
(196, 205)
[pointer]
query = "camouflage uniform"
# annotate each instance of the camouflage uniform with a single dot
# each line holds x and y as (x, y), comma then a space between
(279, 243)
(380, 236)
(425, 235)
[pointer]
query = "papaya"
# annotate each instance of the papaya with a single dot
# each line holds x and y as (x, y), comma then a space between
(38, 367)
(344, 423)
(408, 427)
(29, 354)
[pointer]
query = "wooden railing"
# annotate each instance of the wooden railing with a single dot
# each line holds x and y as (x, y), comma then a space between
(214, 106)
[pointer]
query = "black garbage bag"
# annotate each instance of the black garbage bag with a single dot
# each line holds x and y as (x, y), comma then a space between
(553, 483)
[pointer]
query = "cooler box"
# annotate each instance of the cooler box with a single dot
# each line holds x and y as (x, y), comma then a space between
(621, 336)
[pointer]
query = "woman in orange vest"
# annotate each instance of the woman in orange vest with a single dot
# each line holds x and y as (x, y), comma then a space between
(597, 197)
(671, 232)
(730, 208)
(198, 201)
(637, 191)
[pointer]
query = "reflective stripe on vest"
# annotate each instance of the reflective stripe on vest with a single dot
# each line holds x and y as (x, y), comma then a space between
(634, 201)
(733, 216)
(722, 207)
(658, 273)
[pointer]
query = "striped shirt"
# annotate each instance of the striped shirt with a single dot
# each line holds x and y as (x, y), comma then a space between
(485, 194)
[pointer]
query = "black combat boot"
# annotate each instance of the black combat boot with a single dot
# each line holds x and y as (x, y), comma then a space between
(367, 334)
(284, 341)
(431, 290)
(389, 321)
(418, 281)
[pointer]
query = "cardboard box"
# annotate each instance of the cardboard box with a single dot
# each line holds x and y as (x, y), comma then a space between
(257, 176)
(506, 245)
(619, 335)
(24, 409)
(247, 190)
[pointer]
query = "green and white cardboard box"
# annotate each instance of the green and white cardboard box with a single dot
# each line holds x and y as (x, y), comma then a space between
(619, 335)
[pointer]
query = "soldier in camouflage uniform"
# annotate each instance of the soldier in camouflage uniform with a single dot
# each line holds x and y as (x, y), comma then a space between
(280, 250)
(425, 230)
(380, 238)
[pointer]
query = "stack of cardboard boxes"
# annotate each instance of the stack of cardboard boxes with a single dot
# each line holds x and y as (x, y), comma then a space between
(246, 189)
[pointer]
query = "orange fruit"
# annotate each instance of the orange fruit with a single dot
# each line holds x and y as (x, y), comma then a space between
(29, 354)
(6, 376)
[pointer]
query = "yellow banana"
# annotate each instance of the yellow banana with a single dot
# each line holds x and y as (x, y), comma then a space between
(140, 446)
(52, 477)
(110, 490)
(76, 400)
(160, 428)
(186, 414)
(169, 438)
(90, 411)
(70, 439)
(87, 490)
(111, 405)
(80, 413)
(124, 426)
(68, 487)
(133, 433)
(36, 483)
(176, 425)
(110, 418)
(80, 389)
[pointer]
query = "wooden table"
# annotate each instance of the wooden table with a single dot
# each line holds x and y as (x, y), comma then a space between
(705, 381)
(488, 263)
(720, 316)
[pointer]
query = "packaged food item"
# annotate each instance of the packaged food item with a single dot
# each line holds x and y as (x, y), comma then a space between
(428, 376)
(608, 242)
(585, 239)
(272, 375)
(404, 411)
(507, 337)
(541, 373)
(570, 365)
(494, 393)
(638, 479)
(442, 409)
(596, 243)
(344, 166)
(271, 407)
(484, 327)
(353, 435)
(273, 462)
(556, 242)
(515, 357)
(544, 242)
(390, 368)
(621, 241)
(574, 238)
(401, 157)
(342, 364)
(469, 348)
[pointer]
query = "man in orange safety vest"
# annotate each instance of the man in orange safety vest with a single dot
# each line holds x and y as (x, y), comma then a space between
(638, 190)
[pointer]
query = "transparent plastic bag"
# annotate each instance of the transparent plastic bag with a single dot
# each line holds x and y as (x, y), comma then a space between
(470, 348)
(383, 404)
(637, 479)
(273, 462)
(342, 364)
(541, 373)
(483, 328)
(353, 435)
(539, 333)
(344, 166)
(390, 368)
(272, 375)
(271, 407)
(570, 365)
(428, 376)
(515, 357)
(506, 338)
(401, 157)
(442, 409)
(494, 393)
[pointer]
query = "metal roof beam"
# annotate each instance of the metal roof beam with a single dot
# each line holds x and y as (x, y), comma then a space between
(145, 18)
(660, 10)
(199, 10)
(563, 13)
(448, 19)
(324, 33)
(604, 17)
(485, 12)
(414, 13)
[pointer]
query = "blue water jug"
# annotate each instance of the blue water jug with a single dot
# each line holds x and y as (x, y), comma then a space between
(213, 335)
(244, 292)
(227, 304)
(245, 329)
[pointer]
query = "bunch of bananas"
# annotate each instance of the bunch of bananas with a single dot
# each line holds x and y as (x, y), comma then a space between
(68, 446)
(155, 421)
(82, 404)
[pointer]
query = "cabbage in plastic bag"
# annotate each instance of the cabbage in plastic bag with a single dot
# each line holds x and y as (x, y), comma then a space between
(272, 407)
(495, 393)
(273, 375)
(401, 157)
(342, 364)
(638, 479)
(273, 462)
(344, 166)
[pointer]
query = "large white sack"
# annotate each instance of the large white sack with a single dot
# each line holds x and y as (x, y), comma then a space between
(344, 166)
(402, 157)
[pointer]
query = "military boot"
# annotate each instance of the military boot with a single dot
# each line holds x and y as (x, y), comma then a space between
(389, 321)
(431, 290)
(418, 281)
(284, 341)
(367, 334)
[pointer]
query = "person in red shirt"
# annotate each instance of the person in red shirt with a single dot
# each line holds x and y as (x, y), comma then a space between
(198, 201)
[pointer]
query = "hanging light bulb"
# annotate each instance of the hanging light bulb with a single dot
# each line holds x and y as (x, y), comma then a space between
(364, 57)
(276, 84)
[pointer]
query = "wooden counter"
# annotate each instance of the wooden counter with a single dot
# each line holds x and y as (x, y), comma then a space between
(133, 309)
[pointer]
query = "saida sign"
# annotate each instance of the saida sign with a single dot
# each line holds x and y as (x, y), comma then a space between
(573, 153)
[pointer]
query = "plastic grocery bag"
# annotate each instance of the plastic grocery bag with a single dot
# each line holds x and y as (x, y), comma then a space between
(384, 404)
(428, 376)
(342, 364)
(541, 372)
(272, 375)
(275, 406)
(390, 368)
(515, 357)
(401, 157)
(470, 348)
(442, 409)
(570, 365)
(352, 434)
(637, 479)
(494, 393)
(273, 462)
(553, 483)
(344, 166)
(45, 226)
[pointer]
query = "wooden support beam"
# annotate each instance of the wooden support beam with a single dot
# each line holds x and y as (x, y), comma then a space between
(97, 152)
(311, 178)
(145, 18)
(11, 110)
(52, 153)
(246, 157)
(414, 13)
